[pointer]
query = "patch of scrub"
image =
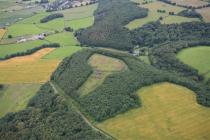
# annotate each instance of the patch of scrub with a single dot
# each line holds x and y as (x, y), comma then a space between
(102, 66)
(198, 58)
(168, 112)
(15, 97)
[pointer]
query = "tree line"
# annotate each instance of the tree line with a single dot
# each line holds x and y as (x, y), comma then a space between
(51, 17)
(31, 51)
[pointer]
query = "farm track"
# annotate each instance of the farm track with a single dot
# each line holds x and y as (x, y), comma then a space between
(71, 104)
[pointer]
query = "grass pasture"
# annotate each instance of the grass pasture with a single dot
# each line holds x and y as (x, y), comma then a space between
(198, 58)
(81, 23)
(16, 96)
(153, 15)
(23, 29)
(103, 66)
(168, 112)
(67, 41)
(28, 69)
(19, 47)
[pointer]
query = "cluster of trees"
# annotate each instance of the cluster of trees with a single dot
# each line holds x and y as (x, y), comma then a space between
(117, 93)
(154, 34)
(51, 17)
(1, 86)
(161, 11)
(33, 50)
(108, 29)
(68, 29)
(47, 117)
(190, 13)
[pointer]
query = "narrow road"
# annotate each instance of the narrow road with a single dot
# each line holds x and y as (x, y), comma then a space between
(70, 102)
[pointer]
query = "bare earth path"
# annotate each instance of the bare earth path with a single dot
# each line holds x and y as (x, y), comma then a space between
(71, 104)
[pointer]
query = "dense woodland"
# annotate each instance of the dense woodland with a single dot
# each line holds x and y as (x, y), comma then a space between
(155, 34)
(108, 29)
(47, 117)
(51, 17)
(114, 96)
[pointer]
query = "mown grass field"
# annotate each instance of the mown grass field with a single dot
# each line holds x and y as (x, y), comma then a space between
(19, 47)
(198, 58)
(15, 97)
(168, 112)
(103, 66)
(153, 15)
(81, 23)
(28, 69)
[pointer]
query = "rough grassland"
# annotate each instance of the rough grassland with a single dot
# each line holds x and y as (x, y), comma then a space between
(16, 96)
(27, 69)
(153, 15)
(205, 12)
(168, 112)
(20, 47)
(2, 32)
(198, 58)
(103, 66)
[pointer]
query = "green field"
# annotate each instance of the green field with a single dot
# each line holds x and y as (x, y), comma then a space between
(168, 112)
(198, 58)
(15, 97)
(103, 66)
(19, 47)
(153, 15)
(68, 43)
(145, 59)
(81, 23)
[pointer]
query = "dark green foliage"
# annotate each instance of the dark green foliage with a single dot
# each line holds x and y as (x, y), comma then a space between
(108, 29)
(117, 93)
(68, 29)
(1, 86)
(51, 17)
(9, 36)
(154, 34)
(28, 52)
(47, 117)
(190, 14)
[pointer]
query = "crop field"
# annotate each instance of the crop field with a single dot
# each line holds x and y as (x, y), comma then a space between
(198, 58)
(19, 47)
(103, 66)
(168, 112)
(28, 69)
(2, 32)
(153, 15)
(193, 3)
(205, 13)
(16, 96)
